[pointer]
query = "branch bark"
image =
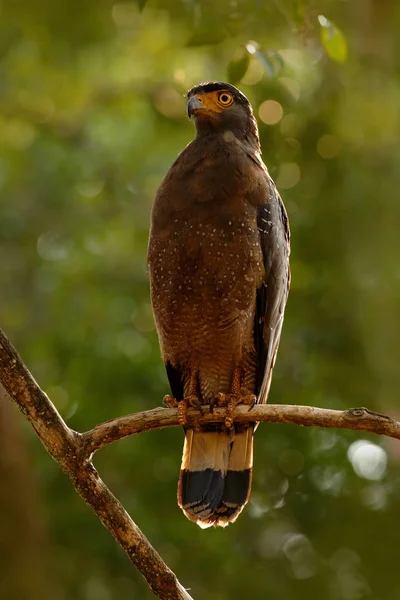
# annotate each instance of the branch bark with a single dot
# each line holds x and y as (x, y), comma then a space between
(73, 451)
(65, 446)
(359, 419)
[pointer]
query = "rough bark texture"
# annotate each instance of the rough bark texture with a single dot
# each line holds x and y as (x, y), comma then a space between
(359, 419)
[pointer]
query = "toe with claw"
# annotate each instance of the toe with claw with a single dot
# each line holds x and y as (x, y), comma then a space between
(170, 402)
(190, 401)
(231, 401)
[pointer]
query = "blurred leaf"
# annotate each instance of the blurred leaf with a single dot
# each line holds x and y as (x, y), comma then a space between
(204, 37)
(277, 60)
(141, 4)
(238, 66)
(333, 40)
(235, 24)
(271, 61)
(296, 14)
(266, 62)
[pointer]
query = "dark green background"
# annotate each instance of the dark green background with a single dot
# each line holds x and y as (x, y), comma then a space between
(92, 116)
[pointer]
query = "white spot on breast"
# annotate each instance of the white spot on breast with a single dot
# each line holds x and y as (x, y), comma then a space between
(229, 136)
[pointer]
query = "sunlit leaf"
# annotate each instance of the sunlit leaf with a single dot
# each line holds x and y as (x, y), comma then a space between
(238, 66)
(333, 40)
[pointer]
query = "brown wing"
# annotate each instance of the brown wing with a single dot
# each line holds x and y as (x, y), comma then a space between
(273, 227)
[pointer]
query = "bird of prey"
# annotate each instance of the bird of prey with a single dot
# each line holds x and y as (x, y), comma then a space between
(219, 276)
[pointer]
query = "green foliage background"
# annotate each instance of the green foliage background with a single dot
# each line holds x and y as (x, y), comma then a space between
(92, 116)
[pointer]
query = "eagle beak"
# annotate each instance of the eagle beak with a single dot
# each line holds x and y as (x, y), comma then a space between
(193, 106)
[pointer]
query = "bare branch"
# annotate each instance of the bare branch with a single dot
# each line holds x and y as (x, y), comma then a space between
(65, 446)
(359, 419)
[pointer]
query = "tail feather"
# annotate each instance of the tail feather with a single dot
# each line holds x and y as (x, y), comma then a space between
(215, 478)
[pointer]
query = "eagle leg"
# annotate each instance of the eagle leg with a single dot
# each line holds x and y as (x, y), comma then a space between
(237, 396)
(191, 400)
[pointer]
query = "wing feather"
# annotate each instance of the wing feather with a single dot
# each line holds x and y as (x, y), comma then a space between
(273, 227)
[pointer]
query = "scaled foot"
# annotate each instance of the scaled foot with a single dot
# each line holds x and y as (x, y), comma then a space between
(231, 401)
(190, 401)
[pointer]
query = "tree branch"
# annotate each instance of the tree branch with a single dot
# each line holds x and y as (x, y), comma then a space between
(359, 419)
(65, 446)
(73, 451)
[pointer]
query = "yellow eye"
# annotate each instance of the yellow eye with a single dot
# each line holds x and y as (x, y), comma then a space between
(225, 99)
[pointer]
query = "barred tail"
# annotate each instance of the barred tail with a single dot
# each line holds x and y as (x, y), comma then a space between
(215, 478)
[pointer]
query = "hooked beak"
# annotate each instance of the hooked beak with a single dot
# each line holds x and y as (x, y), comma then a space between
(193, 106)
